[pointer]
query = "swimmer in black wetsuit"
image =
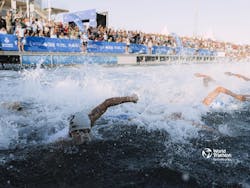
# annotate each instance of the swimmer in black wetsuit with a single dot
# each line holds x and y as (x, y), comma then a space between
(81, 123)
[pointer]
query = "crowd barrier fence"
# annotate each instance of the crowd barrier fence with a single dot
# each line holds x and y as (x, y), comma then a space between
(45, 44)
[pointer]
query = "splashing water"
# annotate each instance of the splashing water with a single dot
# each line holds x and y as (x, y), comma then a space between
(49, 96)
(52, 95)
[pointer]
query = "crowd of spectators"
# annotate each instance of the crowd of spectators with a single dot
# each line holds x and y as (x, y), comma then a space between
(22, 26)
(227, 49)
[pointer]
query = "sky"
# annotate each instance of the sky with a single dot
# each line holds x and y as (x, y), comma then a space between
(225, 20)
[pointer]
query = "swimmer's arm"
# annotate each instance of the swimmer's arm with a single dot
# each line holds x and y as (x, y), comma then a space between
(201, 75)
(238, 75)
(209, 78)
(206, 78)
(211, 96)
(199, 125)
(243, 77)
(98, 111)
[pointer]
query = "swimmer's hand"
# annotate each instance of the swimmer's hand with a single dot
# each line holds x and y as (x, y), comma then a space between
(240, 97)
(134, 98)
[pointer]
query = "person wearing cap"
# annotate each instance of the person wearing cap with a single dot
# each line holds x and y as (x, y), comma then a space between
(80, 123)
(211, 96)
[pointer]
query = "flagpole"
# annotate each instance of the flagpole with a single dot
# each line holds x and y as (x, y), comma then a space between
(28, 8)
(49, 9)
(196, 18)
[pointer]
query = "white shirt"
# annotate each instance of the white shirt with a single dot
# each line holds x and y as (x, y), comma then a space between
(20, 31)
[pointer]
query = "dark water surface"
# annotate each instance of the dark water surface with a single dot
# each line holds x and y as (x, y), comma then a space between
(128, 157)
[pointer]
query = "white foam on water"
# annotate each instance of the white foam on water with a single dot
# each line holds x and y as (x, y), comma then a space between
(57, 93)
(8, 132)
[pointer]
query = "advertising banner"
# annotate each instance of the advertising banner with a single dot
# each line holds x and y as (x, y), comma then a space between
(45, 44)
(8, 42)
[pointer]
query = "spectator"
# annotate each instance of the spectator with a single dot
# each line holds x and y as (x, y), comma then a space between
(20, 35)
(34, 27)
(127, 40)
(150, 46)
(2, 22)
(39, 27)
(84, 41)
(61, 36)
(3, 31)
(53, 33)
(8, 22)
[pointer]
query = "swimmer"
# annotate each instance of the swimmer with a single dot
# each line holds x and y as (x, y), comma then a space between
(237, 75)
(211, 96)
(81, 123)
(206, 78)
